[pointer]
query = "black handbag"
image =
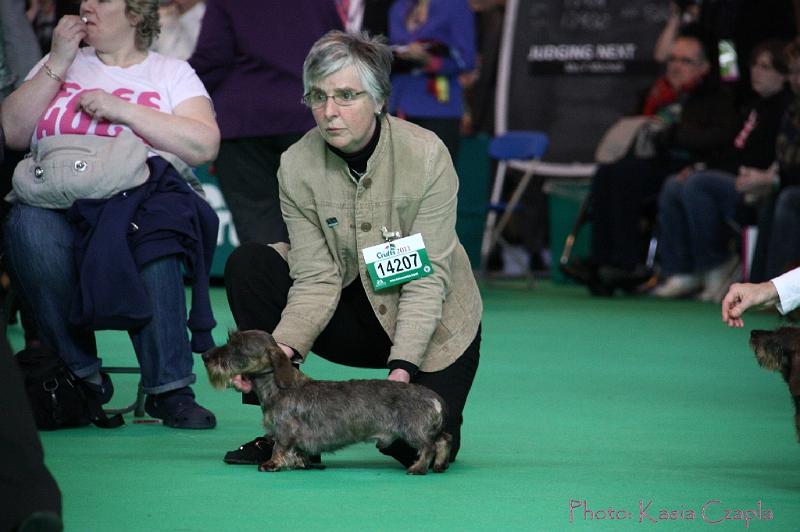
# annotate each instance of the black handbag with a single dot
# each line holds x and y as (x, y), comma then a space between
(57, 397)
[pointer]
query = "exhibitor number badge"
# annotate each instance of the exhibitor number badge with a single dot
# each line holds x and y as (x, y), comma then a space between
(397, 262)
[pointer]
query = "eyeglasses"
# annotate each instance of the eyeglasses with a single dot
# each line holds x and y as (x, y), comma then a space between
(683, 60)
(343, 97)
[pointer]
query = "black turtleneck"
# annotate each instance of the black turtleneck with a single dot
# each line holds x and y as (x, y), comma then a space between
(357, 162)
(354, 292)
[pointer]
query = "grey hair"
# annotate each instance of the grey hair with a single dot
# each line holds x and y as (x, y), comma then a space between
(370, 56)
(148, 26)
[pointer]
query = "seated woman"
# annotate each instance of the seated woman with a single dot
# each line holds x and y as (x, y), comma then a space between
(694, 207)
(112, 86)
(375, 276)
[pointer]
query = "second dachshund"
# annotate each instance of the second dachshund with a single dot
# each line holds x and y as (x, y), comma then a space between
(779, 350)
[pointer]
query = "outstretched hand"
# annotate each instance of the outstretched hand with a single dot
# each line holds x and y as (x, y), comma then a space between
(742, 296)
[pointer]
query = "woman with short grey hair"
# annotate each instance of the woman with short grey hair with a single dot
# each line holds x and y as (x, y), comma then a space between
(337, 50)
(375, 275)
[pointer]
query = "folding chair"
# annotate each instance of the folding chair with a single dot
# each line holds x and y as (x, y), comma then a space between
(525, 147)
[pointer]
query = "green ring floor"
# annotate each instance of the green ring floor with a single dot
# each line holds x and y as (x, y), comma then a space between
(616, 402)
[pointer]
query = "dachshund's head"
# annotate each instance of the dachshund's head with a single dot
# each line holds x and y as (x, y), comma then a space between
(775, 349)
(248, 354)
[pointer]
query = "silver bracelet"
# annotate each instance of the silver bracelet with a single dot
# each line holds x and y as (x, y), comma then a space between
(51, 74)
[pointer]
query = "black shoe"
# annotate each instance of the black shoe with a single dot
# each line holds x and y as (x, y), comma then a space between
(104, 391)
(622, 278)
(45, 521)
(599, 289)
(258, 451)
(179, 410)
(580, 270)
(254, 452)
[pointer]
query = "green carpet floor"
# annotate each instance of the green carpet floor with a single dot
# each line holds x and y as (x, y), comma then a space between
(623, 408)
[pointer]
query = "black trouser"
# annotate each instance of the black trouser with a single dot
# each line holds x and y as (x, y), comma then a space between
(247, 171)
(257, 281)
(26, 485)
(619, 194)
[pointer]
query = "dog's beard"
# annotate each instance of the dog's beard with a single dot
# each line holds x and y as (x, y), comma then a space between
(218, 380)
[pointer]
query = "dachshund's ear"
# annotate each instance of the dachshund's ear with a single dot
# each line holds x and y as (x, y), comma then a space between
(285, 374)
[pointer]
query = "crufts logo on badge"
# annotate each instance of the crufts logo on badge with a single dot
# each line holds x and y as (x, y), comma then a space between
(391, 250)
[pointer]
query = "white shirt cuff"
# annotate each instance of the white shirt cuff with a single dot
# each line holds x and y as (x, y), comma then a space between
(788, 287)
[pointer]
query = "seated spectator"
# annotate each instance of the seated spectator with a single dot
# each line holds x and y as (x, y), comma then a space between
(97, 94)
(783, 244)
(698, 120)
(694, 207)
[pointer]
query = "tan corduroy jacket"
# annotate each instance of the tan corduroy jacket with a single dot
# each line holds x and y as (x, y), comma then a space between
(410, 186)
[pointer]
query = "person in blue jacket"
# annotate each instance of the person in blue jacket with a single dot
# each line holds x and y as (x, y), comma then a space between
(433, 43)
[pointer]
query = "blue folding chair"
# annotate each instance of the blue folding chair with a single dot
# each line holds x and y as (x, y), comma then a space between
(527, 147)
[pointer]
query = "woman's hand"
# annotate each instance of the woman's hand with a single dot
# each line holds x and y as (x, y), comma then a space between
(101, 105)
(288, 351)
(416, 53)
(400, 375)
(67, 36)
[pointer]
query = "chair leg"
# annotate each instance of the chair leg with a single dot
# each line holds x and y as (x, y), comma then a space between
(492, 233)
(569, 243)
(491, 216)
(512, 203)
(140, 397)
(137, 406)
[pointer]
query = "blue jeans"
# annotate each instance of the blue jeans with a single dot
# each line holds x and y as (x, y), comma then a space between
(784, 242)
(691, 220)
(38, 245)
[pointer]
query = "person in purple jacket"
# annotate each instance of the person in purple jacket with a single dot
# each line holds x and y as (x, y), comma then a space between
(433, 43)
(250, 57)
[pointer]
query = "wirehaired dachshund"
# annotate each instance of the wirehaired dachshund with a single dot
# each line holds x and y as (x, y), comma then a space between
(779, 350)
(306, 416)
